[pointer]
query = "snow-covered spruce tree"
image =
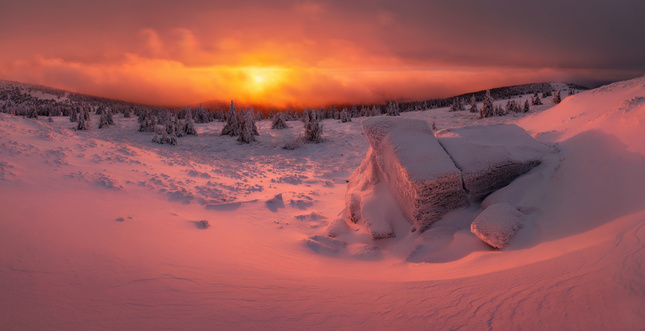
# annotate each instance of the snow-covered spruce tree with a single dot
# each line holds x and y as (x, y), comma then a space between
(73, 116)
(454, 106)
(189, 125)
(526, 106)
(103, 120)
(160, 136)
(279, 122)
(246, 133)
(305, 116)
(510, 107)
(110, 120)
(535, 100)
(473, 105)
(556, 97)
(83, 120)
(313, 128)
(170, 136)
(487, 106)
(178, 127)
(393, 109)
(252, 117)
(344, 116)
(376, 111)
(232, 126)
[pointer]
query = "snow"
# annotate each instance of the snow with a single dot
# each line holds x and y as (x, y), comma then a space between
(66, 263)
(491, 156)
(497, 224)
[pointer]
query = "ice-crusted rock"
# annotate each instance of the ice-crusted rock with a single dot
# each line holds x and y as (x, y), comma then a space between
(497, 224)
(419, 174)
(491, 156)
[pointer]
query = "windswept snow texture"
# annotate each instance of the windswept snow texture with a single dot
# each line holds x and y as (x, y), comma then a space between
(497, 224)
(491, 156)
(99, 230)
(420, 175)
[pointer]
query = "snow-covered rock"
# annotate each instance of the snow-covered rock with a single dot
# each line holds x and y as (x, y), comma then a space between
(497, 224)
(419, 174)
(491, 156)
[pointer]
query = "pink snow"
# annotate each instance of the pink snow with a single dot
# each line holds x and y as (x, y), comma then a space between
(99, 230)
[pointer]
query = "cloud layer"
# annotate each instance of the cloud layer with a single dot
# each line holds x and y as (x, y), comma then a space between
(312, 53)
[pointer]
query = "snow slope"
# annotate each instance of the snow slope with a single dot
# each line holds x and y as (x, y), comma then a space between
(100, 230)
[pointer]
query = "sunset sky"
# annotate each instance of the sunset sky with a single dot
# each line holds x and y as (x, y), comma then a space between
(311, 53)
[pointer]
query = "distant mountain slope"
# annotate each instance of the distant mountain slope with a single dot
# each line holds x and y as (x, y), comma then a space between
(19, 94)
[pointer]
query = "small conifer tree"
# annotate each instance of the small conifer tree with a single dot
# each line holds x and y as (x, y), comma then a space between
(556, 98)
(103, 120)
(232, 126)
(473, 105)
(487, 107)
(313, 128)
(189, 125)
(279, 122)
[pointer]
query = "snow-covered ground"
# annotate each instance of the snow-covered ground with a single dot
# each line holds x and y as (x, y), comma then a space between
(100, 230)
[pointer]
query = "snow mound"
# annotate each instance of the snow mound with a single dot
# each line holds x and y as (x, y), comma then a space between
(363, 204)
(497, 224)
(616, 109)
(418, 172)
(491, 156)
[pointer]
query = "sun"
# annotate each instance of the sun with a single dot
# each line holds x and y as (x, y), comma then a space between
(258, 79)
(263, 79)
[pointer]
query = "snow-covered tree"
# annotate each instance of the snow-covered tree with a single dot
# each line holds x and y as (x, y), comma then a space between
(473, 105)
(103, 120)
(376, 111)
(535, 100)
(344, 116)
(556, 97)
(454, 106)
(279, 122)
(73, 116)
(526, 106)
(487, 107)
(305, 116)
(110, 120)
(83, 120)
(313, 128)
(232, 126)
(393, 109)
(248, 123)
(189, 125)
(171, 134)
